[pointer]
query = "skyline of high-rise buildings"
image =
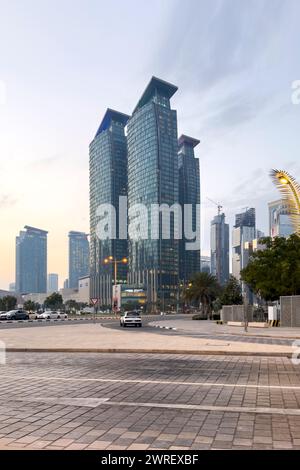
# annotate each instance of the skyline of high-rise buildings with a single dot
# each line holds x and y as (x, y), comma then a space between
(31, 260)
(151, 167)
(141, 163)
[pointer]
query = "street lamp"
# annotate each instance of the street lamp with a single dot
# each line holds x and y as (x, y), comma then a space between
(115, 262)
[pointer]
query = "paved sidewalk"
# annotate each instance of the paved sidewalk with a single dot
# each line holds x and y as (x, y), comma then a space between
(95, 338)
(211, 327)
(148, 401)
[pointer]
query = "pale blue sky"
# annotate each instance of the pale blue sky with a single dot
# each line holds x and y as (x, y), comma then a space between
(64, 62)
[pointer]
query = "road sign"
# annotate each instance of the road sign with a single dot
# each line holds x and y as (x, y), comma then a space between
(94, 301)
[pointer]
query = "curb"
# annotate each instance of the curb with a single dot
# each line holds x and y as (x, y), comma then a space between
(163, 327)
(153, 351)
(41, 320)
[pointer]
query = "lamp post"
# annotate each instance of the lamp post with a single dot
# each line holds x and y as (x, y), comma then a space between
(115, 262)
(111, 259)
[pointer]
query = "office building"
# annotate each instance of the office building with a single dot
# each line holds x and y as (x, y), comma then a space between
(205, 264)
(78, 257)
(244, 231)
(52, 285)
(66, 284)
(31, 261)
(219, 245)
(189, 193)
(108, 181)
(12, 287)
(280, 224)
(153, 180)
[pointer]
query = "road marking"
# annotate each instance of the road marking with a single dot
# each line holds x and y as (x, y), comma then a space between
(89, 402)
(95, 402)
(231, 409)
(154, 382)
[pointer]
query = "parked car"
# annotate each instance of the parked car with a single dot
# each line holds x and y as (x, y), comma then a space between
(131, 318)
(51, 315)
(14, 315)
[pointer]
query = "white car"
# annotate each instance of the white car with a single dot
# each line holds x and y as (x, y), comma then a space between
(50, 315)
(131, 318)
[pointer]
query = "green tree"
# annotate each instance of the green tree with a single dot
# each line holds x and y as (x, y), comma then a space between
(31, 306)
(275, 270)
(8, 302)
(203, 289)
(232, 293)
(72, 305)
(54, 301)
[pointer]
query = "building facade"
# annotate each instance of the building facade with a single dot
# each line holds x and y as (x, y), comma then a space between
(52, 285)
(153, 180)
(78, 257)
(219, 245)
(205, 264)
(31, 261)
(244, 231)
(189, 194)
(280, 224)
(108, 181)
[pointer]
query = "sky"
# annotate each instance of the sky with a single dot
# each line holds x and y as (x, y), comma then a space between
(62, 63)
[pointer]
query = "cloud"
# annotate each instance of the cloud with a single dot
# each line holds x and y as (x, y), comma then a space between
(209, 41)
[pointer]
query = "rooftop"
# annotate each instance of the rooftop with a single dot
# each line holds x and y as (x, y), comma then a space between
(185, 139)
(34, 229)
(112, 115)
(156, 84)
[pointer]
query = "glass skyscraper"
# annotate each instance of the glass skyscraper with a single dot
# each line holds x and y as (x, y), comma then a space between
(153, 179)
(108, 181)
(31, 261)
(78, 257)
(52, 282)
(244, 231)
(280, 224)
(219, 245)
(189, 193)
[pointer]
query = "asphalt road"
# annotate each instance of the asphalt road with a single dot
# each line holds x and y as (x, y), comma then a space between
(140, 401)
(114, 324)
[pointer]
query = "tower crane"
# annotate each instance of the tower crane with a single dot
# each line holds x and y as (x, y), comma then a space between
(220, 207)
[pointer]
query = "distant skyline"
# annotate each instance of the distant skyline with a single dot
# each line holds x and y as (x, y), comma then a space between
(64, 62)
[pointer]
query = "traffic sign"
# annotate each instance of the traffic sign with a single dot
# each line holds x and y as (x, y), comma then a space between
(94, 301)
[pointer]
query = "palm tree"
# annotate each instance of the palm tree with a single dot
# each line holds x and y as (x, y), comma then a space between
(204, 289)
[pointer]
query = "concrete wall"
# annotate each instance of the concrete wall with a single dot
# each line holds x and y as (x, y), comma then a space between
(235, 313)
(290, 311)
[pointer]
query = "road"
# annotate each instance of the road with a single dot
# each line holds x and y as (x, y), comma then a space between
(148, 321)
(148, 401)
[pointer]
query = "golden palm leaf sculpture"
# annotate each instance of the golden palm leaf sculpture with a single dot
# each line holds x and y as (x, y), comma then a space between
(290, 190)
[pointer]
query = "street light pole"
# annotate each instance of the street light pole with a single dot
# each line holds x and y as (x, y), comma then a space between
(115, 261)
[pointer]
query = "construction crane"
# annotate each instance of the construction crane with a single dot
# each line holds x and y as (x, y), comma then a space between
(217, 204)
